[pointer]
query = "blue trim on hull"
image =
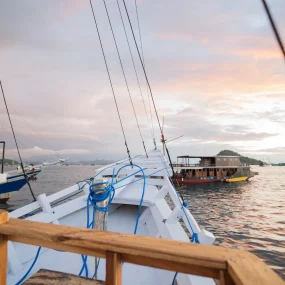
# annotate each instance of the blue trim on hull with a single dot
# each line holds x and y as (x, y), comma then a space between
(15, 185)
(12, 186)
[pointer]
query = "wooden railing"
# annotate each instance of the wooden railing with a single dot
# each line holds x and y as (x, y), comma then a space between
(230, 266)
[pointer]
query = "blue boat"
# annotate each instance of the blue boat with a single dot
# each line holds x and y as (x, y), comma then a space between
(13, 181)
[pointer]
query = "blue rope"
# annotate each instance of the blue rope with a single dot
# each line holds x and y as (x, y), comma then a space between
(31, 267)
(175, 275)
(194, 237)
(134, 181)
(143, 191)
(184, 205)
(100, 195)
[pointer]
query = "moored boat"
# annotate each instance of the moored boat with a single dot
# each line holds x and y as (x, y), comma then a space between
(15, 180)
(237, 179)
(210, 169)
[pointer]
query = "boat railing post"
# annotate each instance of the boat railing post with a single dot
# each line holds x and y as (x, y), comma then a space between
(4, 218)
(113, 268)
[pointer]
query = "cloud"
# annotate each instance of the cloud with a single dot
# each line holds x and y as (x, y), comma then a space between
(39, 153)
(215, 70)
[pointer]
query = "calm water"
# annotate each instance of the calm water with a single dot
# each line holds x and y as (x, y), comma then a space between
(249, 216)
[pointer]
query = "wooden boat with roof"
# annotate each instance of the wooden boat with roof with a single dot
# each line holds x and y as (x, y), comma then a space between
(209, 169)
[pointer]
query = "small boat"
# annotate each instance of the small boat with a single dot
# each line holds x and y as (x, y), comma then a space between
(237, 179)
(13, 181)
(210, 169)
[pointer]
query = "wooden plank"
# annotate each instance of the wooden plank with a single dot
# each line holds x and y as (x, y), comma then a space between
(48, 277)
(113, 268)
(92, 243)
(4, 218)
(247, 269)
(3, 249)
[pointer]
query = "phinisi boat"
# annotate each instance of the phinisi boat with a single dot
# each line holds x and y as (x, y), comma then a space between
(210, 169)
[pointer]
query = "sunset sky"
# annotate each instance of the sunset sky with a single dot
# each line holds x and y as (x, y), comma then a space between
(217, 75)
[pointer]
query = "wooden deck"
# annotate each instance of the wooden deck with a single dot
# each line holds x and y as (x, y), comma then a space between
(48, 277)
(230, 266)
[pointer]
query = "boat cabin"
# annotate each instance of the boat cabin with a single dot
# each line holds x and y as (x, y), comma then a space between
(213, 168)
(207, 161)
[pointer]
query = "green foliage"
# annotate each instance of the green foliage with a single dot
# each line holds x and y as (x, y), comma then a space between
(243, 159)
(9, 161)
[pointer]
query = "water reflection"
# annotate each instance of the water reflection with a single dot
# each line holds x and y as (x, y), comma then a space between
(247, 215)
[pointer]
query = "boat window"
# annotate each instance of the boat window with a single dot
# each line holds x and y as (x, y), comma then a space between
(231, 159)
(218, 159)
(225, 159)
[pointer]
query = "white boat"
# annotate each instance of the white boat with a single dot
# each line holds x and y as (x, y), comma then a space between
(156, 219)
(13, 181)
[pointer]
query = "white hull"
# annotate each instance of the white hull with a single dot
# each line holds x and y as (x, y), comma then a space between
(157, 220)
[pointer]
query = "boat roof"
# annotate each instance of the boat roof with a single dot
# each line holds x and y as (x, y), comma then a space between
(203, 156)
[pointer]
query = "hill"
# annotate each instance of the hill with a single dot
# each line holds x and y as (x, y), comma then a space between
(9, 161)
(243, 159)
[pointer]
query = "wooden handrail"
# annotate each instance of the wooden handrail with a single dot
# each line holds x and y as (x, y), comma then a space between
(230, 266)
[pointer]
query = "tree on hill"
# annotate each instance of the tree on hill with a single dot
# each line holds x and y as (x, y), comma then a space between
(243, 159)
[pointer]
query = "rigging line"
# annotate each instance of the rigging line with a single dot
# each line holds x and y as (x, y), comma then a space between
(126, 9)
(110, 80)
(273, 26)
(35, 131)
(22, 166)
(123, 71)
(139, 31)
(134, 65)
(143, 61)
(154, 106)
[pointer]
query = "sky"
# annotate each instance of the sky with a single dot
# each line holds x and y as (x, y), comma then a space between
(216, 73)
